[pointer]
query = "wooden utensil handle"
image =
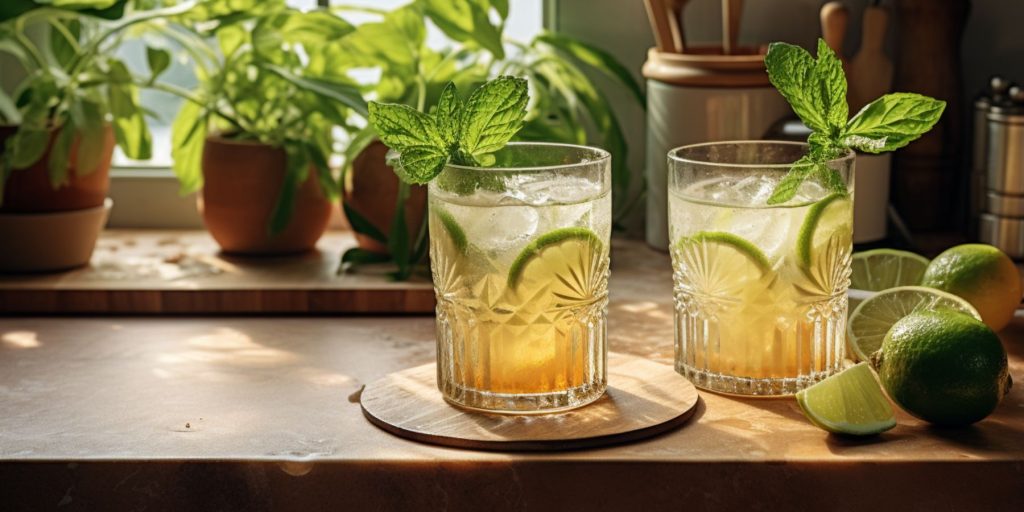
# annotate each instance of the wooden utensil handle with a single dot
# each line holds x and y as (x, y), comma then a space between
(658, 16)
(835, 18)
(875, 24)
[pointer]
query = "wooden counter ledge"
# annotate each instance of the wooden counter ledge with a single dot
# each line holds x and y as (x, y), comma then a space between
(257, 413)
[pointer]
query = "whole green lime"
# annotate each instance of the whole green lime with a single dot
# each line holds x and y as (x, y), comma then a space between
(943, 367)
(983, 275)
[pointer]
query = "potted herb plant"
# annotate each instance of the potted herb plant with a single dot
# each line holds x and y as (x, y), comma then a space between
(565, 106)
(255, 136)
(59, 126)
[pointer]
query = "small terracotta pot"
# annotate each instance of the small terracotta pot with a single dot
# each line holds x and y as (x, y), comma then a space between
(241, 184)
(373, 191)
(29, 190)
(51, 241)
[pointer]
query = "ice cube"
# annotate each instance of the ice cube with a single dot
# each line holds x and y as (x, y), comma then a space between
(500, 231)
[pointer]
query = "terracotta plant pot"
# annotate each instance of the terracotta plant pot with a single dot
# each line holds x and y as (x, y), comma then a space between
(241, 184)
(52, 241)
(29, 190)
(54, 229)
(372, 193)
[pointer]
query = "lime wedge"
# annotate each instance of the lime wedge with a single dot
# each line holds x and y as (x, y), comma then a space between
(455, 231)
(881, 269)
(827, 220)
(872, 319)
(567, 263)
(850, 402)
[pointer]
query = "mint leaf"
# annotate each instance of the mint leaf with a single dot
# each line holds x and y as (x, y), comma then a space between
(448, 114)
(792, 71)
(401, 126)
(420, 164)
(830, 94)
(892, 121)
(422, 144)
(415, 136)
(790, 183)
(492, 116)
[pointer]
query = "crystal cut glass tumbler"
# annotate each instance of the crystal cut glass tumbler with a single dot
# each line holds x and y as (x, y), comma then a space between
(519, 259)
(759, 289)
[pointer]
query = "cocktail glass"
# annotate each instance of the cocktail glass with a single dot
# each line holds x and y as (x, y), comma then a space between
(759, 289)
(519, 258)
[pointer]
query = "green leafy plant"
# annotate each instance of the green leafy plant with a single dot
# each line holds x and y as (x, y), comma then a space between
(251, 60)
(816, 90)
(74, 86)
(566, 105)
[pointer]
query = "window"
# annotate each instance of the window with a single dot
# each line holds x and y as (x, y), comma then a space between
(525, 20)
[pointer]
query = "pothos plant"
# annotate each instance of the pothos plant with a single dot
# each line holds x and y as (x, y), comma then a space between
(74, 84)
(565, 105)
(251, 60)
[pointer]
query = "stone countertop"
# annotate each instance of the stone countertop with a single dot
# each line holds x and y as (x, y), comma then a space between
(257, 413)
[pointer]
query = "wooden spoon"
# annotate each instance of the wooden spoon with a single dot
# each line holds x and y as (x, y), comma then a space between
(732, 11)
(658, 14)
(835, 18)
(675, 13)
(870, 69)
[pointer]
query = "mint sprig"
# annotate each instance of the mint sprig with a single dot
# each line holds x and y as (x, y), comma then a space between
(816, 90)
(464, 134)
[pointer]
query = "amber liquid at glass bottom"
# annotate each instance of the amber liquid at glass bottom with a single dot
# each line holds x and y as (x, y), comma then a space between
(519, 257)
(759, 290)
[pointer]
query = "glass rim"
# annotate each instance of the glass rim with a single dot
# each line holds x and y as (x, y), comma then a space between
(673, 154)
(601, 156)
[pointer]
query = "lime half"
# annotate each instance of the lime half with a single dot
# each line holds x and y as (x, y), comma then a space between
(872, 319)
(850, 402)
(881, 269)
(827, 220)
(568, 263)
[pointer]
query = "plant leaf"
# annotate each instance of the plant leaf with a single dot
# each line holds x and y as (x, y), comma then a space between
(598, 59)
(401, 126)
(158, 60)
(831, 89)
(297, 170)
(357, 256)
(792, 71)
(64, 40)
(316, 157)
(892, 121)
(27, 146)
(60, 155)
(493, 115)
(346, 94)
(188, 134)
(467, 21)
(91, 143)
(361, 225)
(8, 110)
(398, 236)
(448, 113)
(790, 183)
(420, 164)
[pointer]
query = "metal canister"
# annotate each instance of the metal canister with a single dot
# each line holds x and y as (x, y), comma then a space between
(994, 93)
(1002, 224)
(979, 147)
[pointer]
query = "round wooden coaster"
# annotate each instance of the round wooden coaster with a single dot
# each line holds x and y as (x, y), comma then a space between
(643, 399)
